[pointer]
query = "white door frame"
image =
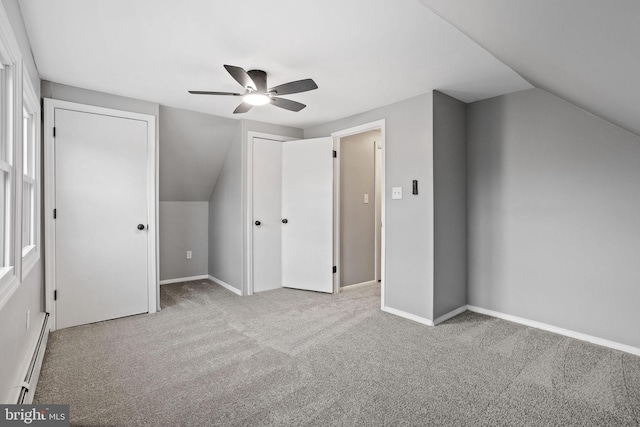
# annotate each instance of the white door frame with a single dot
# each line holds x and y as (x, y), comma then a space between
(380, 124)
(49, 197)
(249, 201)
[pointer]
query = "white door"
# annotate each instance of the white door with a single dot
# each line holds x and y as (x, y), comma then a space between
(101, 194)
(307, 205)
(267, 207)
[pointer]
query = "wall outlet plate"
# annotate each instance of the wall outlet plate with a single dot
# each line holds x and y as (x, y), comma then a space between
(189, 254)
(396, 193)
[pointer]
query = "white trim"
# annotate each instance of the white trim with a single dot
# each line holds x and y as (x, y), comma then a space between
(50, 105)
(449, 315)
(225, 285)
(358, 285)
(249, 201)
(409, 316)
(566, 332)
(337, 206)
(184, 279)
(31, 104)
(4, 166)
(381, 125)
(8, 284)
(49, 204)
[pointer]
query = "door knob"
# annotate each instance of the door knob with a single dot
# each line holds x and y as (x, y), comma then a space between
(284, 221)
(258, 223)
(141, 227)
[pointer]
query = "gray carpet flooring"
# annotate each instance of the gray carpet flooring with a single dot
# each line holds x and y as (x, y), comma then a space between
(294, 358)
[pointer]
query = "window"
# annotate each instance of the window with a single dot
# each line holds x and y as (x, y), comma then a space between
(11, 99)
(30, 176)
(6, 172)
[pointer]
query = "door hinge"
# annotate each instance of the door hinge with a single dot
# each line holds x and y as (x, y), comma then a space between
(55, 295)
(54, 131)
(335, 269)
(335, 153)
(55, 213)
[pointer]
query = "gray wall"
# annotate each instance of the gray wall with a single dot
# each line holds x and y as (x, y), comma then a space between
(409, 222)
(225, 217)
(15, 339)
(192, 150)
(184, 227)
(357, 219)
(450, 204)
(554, 203)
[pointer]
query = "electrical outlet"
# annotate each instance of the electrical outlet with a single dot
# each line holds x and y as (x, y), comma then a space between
(189, 254)
(28, 317)
(396, 193)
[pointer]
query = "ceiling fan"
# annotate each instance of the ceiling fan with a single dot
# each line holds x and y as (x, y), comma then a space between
(254, 83)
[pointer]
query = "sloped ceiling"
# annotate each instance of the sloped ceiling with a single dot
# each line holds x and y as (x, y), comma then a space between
(362, 55)
(192, 151)
(585, 51)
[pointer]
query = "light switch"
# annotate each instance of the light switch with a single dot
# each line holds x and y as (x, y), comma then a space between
(366, 198)
(396, 193)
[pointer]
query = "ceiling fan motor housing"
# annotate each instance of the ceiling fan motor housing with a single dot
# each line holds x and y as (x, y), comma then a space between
(259, 77)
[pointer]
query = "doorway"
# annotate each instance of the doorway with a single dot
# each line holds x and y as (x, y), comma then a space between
(100, 199)
(356, 260)
(360, 209)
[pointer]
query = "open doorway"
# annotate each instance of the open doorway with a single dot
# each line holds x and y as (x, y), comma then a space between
(359, 207)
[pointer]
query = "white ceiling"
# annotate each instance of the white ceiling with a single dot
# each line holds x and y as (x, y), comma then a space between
(585, 51)
(361, 54)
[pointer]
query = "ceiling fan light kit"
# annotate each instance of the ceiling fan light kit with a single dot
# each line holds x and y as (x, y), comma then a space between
(254, 83)
(256, 99)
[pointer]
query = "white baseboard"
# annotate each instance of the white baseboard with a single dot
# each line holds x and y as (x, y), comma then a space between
(225, 285)
(358, 285)
(555, 329)
(183, 279)
(449, 315)
(409, 316)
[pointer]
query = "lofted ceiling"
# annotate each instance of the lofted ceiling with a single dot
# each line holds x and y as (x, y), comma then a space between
(362, 55)
(585, 51)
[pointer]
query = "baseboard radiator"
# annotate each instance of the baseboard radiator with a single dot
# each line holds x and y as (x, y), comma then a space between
(33, 371)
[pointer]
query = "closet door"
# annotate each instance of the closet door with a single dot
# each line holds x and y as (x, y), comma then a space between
(307, 213)
(102, 211)
(267, 207)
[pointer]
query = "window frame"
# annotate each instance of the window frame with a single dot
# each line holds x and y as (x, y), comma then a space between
(31, 253)
(11, 60)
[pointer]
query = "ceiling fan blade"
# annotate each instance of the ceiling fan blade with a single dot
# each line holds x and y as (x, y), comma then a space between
(203, 92)
(241, 76)
(287, 104)
(242, 108)
(294, 87)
